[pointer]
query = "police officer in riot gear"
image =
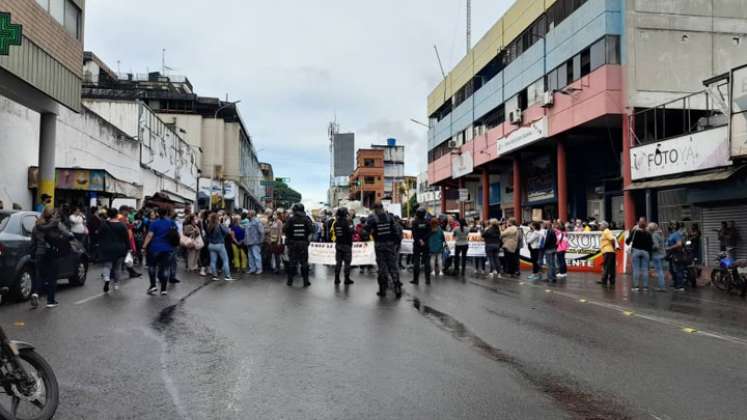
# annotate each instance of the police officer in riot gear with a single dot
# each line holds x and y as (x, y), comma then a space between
(421, 230)
(386, 233)
(298, 229)
(342, 231)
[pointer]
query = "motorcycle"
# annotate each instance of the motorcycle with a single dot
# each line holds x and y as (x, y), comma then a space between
(693, 270)
(28, 386)
(730, 274)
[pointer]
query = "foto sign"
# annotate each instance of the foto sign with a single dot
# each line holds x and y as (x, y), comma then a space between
(523, 137)
(704, 150)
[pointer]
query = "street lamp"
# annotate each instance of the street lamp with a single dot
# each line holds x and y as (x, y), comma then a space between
(419, 123)
(217, 127)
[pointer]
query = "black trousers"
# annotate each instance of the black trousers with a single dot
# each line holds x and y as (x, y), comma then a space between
(421, 258)
(608, 273)
(460, 257)
(343, 258)
(298, 254)
(386, 259)
(535, 253)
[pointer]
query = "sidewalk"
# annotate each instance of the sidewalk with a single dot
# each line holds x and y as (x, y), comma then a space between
(704, 308)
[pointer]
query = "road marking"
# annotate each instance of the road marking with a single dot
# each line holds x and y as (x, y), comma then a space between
(548, 291)
(88, 299)
(689, 330)
(19, 323)
(582, 300)
(629, 313)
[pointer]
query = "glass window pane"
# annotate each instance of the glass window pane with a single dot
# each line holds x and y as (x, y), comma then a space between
(576, 67)
(44, 4)
(72, 17)
(562, 76)
(552, 80)
(598, 58)
(613, 49)
(57, 10)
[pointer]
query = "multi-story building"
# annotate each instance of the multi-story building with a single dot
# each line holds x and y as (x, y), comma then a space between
(230, 174)
(394, 166)
(342, 156)
(40, 70)
(367, 181)
(268, 183)
(533, 120)
(428, 197)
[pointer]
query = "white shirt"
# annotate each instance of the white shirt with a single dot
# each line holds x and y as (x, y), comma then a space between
(78, 224)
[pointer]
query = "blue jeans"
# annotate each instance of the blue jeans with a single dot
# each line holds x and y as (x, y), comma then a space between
(159, 265)
(219, 250)
(551, 263)
(640, 266)
(172, 266)
(659, 267)
(255, 258)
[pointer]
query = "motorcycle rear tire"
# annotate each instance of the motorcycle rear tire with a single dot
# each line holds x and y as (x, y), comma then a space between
(720, 280)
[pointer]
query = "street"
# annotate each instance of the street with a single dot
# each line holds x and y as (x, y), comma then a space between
(472, 349)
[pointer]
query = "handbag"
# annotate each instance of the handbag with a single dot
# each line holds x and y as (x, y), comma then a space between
(129, 260)
(198, 243)
(629, 246)
(186, 242)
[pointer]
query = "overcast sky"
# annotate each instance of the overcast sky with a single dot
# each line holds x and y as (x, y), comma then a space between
(297, 64)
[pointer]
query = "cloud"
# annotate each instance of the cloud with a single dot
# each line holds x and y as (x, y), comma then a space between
(296, 65)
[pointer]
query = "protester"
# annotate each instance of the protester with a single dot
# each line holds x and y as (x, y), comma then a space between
(608, 247)
(676, 254)
(476, 227)
(534, 240)
(436, 246)
(115, 242)
(298, 229)
(78, 226)
(193, 232)
(640, 243)
(276, 241)
(123, 217)
(238, 244)
(158, 248)
(551, 249)
(461, 241)
(493, 245)
(510, 237)
(658, 253)
(255, 236)
(49, 242)
(216, 234)
(563, 245)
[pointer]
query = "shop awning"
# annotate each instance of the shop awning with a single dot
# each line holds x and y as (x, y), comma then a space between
(699, 178)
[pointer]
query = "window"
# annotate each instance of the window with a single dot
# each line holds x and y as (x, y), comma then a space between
(568, 72)
(44, 4)
(576, 68)
(613, 49)
(585, 62)
(368, 163)
(562, 76)
(369, 180)
(534, 92)
(552, 80)
(598, 54)
(72, 19)
(57, 10)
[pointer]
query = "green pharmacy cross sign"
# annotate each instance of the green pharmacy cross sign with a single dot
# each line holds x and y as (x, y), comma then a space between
(10, 34)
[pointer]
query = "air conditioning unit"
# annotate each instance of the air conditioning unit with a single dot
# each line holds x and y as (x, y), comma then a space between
(549, 99)
(514, 117)
(452, 144)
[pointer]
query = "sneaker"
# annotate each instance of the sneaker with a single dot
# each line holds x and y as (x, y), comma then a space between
(349, 282)
(228, 278)
(635, 289)
(645, 290)
(661, 289)
(173, 281)
(681, 289)
(259, 273)
(441, 273)
(215, 277)
(116, 286)
(433, 273)
(164, 293)
(152, 290)
(106, 286)
(307, 284)
(203, 272)
(34, 300)
(52, 304)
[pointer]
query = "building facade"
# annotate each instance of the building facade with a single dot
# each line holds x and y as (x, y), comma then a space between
(394, 166)
(230, 173)
(533, 121)
(41, 71)
(342, 163)
(367, 181)
(268, 184)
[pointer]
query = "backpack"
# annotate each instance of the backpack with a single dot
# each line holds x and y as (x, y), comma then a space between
(57, 240)
(173, 237)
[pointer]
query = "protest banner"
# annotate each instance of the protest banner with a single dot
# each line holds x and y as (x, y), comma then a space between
(324, 253)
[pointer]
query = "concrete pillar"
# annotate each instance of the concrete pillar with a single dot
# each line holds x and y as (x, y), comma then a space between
(485, 179)
(517, 189)
(562, 182)
(461, 203)
(47, 141)
(443, 199)
(649, 205)
(628, 201)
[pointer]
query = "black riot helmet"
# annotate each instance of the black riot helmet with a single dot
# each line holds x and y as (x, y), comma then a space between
(298, 208)
(420, 213)
(342, 212)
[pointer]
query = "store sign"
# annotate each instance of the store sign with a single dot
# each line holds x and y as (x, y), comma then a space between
(429, 196)
(71, 179)
(523, 137)
(10, 33)
(704, 150)
(463, 194)
(461, 164)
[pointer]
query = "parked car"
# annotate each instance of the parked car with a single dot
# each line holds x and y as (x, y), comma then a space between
(16, 266)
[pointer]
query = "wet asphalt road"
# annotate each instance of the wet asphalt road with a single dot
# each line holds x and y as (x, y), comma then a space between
(472, 349)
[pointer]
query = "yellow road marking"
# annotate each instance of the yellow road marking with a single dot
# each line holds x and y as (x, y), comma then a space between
(19, 323)
(548, 291)
(629, 313)
(690, 330)
(582, 300)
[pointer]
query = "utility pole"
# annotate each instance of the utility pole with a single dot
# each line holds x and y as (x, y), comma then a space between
(469, 25)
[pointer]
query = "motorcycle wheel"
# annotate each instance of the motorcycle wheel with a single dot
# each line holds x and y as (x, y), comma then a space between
(42, 404)
(719, 280)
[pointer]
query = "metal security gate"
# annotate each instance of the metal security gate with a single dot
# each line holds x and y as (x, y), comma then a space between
(712, 218)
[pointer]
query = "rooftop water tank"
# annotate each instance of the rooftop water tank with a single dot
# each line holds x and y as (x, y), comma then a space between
(391, 142)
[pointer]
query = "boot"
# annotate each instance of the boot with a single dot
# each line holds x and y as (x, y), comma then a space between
(398, 289)
(348, 281)
(382, 290)
(290, 280)
(337, 276)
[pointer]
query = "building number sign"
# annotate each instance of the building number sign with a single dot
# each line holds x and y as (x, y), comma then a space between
(10, 34)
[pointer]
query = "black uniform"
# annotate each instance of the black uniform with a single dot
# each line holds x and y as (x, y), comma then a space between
(343, 230)
(421, 231)
(297, 231)
(386, 233)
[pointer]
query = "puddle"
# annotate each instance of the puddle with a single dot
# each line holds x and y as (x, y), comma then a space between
(166, 316)
(580, 404)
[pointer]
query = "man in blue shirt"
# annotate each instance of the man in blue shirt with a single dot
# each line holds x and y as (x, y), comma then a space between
(675, 250)
(159, 248)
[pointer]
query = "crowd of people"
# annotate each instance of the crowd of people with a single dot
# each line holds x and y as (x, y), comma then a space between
(222, 244)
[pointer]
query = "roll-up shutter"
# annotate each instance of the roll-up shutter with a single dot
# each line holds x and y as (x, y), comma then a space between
(712, 218)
